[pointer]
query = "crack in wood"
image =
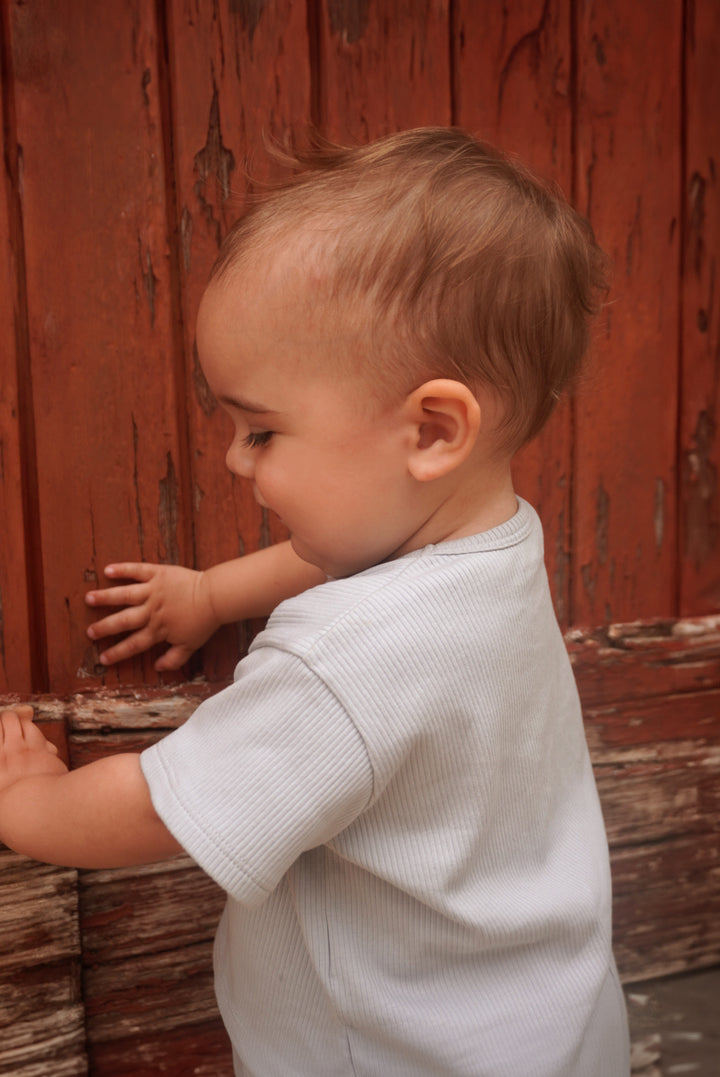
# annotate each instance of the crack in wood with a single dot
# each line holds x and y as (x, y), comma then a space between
(169, 513)
(214, 159)
(136, 487)
(700, 488)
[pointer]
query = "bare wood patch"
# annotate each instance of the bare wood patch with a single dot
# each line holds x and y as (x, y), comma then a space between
(203, 1050)
(38, 912)
(162, 907)
(43, 1024)
(41, 1011)
(150, 994)
(644, 659)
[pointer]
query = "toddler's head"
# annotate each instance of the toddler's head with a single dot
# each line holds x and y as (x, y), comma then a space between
(440, 258)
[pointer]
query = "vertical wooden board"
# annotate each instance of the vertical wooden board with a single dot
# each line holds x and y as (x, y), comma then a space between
(15, 645)
(382, 67)
(511, 79)
(700, 439)
(240, 74)
(100, 305)
(628, 183)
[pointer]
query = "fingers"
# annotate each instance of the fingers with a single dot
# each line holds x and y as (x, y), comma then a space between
(127, 648)
(10, 729)
(174, 658)
(129, 619)
(24, 751)
(130, 570)
(132, 594)
(17, 729)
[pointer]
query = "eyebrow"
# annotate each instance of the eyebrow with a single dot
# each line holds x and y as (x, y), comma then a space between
(244, 405)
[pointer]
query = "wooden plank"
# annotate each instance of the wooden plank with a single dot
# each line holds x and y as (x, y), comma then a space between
(239, 73)
(666, 907)
(382, 67)
(511, 83)
(628, 182)
(669, 790)
(657, 765)
(700, 396)
(642, 660)
(149, 994)
(43, 1026)
(16, 651)
(41, 1011)
(164, 906)
(147, 938)
(200, 1050)
(38, 913)
(110, 454)
(139, 707)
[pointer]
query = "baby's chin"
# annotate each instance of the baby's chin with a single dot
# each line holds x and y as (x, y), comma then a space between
(334, 567)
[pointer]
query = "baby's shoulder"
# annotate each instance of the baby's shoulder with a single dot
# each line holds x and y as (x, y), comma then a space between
(337, 608)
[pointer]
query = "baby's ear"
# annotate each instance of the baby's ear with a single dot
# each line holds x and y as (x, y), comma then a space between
(446, 418)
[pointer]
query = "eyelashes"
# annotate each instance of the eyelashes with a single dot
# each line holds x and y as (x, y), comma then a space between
(256, 439)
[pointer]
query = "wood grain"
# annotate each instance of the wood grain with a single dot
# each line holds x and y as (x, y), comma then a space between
(22, 658)
(382, 67)
(700, 371)
(519, 98)
(41, 1007)
(100, 310)
(627, 163)
(239, 76)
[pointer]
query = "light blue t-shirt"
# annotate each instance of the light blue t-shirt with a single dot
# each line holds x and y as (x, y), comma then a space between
(397, 796)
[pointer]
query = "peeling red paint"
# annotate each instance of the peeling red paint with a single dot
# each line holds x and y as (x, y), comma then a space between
(700, 493)
(659, 513)
(249, 12)
(348, 19)
(169, 513)
(602, 522)
(216, 161)
(150, 281)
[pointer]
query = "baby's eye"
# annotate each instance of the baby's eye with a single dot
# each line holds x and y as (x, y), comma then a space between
(257, 438)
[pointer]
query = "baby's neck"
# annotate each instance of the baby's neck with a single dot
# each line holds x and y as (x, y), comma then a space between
(479, 504)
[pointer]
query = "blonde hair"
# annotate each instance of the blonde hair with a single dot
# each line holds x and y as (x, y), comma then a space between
(460, 262)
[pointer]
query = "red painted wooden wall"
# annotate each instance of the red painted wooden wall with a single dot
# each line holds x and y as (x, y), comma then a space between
(132, 132)
(129, 130)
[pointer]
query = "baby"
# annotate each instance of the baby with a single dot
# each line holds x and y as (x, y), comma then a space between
(396, 792)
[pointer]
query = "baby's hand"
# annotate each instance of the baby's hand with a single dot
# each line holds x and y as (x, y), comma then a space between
(24, 751)
(167, 604)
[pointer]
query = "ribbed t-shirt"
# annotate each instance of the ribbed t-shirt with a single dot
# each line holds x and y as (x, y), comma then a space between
(397, 796)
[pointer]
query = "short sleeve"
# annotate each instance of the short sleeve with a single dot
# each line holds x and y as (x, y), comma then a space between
(268, 768)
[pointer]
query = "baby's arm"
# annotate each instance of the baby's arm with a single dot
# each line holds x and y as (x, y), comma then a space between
(184, 608)
(98, 816)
